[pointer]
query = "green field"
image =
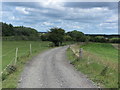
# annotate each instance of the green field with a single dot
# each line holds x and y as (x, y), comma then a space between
(104, 50)
(99, 63)
(8, 49)
(8, 55)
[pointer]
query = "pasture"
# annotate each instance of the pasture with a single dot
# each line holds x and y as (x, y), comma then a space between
(8, 56)
(9, 47)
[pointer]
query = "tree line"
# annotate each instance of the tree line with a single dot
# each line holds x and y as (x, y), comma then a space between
(58, 35)
(55, 35)
(10, 32)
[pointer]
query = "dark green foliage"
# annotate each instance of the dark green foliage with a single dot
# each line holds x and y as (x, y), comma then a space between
(18, 33)
(7, 29)
(51, 44)
(44, 37)
(67, 38)
(77, 36)
(4, 76)
(115, 40)
(25, 31)
(99, 39)
(56, 35)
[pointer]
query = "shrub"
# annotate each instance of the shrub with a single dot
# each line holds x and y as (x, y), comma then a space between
(98, 39)
(51, 44)
(115, 40)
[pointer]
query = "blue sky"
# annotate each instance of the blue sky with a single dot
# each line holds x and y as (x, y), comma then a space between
(88, 17)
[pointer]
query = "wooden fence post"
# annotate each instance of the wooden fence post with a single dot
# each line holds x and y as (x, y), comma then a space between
(69, 46)
(16, 56)
(81, 53)
(30, 49)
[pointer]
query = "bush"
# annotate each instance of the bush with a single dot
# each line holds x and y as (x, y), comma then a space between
(56, 35)
(115, 40)
(98, 39)
(44, 37)
(51, 44)
(67, 38)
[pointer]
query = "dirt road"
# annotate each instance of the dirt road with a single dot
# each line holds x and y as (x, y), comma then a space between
(51, 70)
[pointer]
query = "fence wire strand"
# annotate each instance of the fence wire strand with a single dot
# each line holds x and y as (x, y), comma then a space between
(20, 49)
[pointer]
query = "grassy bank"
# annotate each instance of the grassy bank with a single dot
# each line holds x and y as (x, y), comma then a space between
(99, 63)
(23, 56)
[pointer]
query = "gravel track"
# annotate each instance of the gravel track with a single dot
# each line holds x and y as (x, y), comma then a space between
(51, 70)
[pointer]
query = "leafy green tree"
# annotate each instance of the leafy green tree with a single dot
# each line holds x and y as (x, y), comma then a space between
(56, 35)
(26, 31)
(100, 39)
(67, 38)
(115, 40)
(7, 29)
(44, 37)
(18, 33)
(77, 36)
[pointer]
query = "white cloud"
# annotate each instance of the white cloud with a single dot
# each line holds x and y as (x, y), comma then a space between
(108, 27)
(62, 0)
(52, 4)
(47, 23)
(85, 15)
(113, 18)
(108, 24)
(45, 15)
(77, 27)
(22, 10)
(12, 18)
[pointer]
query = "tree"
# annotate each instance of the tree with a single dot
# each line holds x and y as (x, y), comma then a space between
(56, 35)
(115, 40)
(44, 37)
(100, 39)
(67, 38)
(7, 30)
(19, 32)
(77, 36)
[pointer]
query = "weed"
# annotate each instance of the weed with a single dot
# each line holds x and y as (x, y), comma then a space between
(104, 71)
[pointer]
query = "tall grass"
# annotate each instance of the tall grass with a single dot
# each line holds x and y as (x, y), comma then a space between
(99, 63)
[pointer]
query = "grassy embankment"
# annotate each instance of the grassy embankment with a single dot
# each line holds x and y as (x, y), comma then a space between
(99, 63)
(8, 54)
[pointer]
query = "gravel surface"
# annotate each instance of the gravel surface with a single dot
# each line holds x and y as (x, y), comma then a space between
(51, 70)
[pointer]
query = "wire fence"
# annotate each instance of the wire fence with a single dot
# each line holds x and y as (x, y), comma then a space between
(7, 53)
(15, 53)
(77, 53)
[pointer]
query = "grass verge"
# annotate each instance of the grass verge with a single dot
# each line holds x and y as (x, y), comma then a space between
(99, 63)
(12, 79)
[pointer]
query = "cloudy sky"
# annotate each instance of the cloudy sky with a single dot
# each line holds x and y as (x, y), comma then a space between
(88, 17)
